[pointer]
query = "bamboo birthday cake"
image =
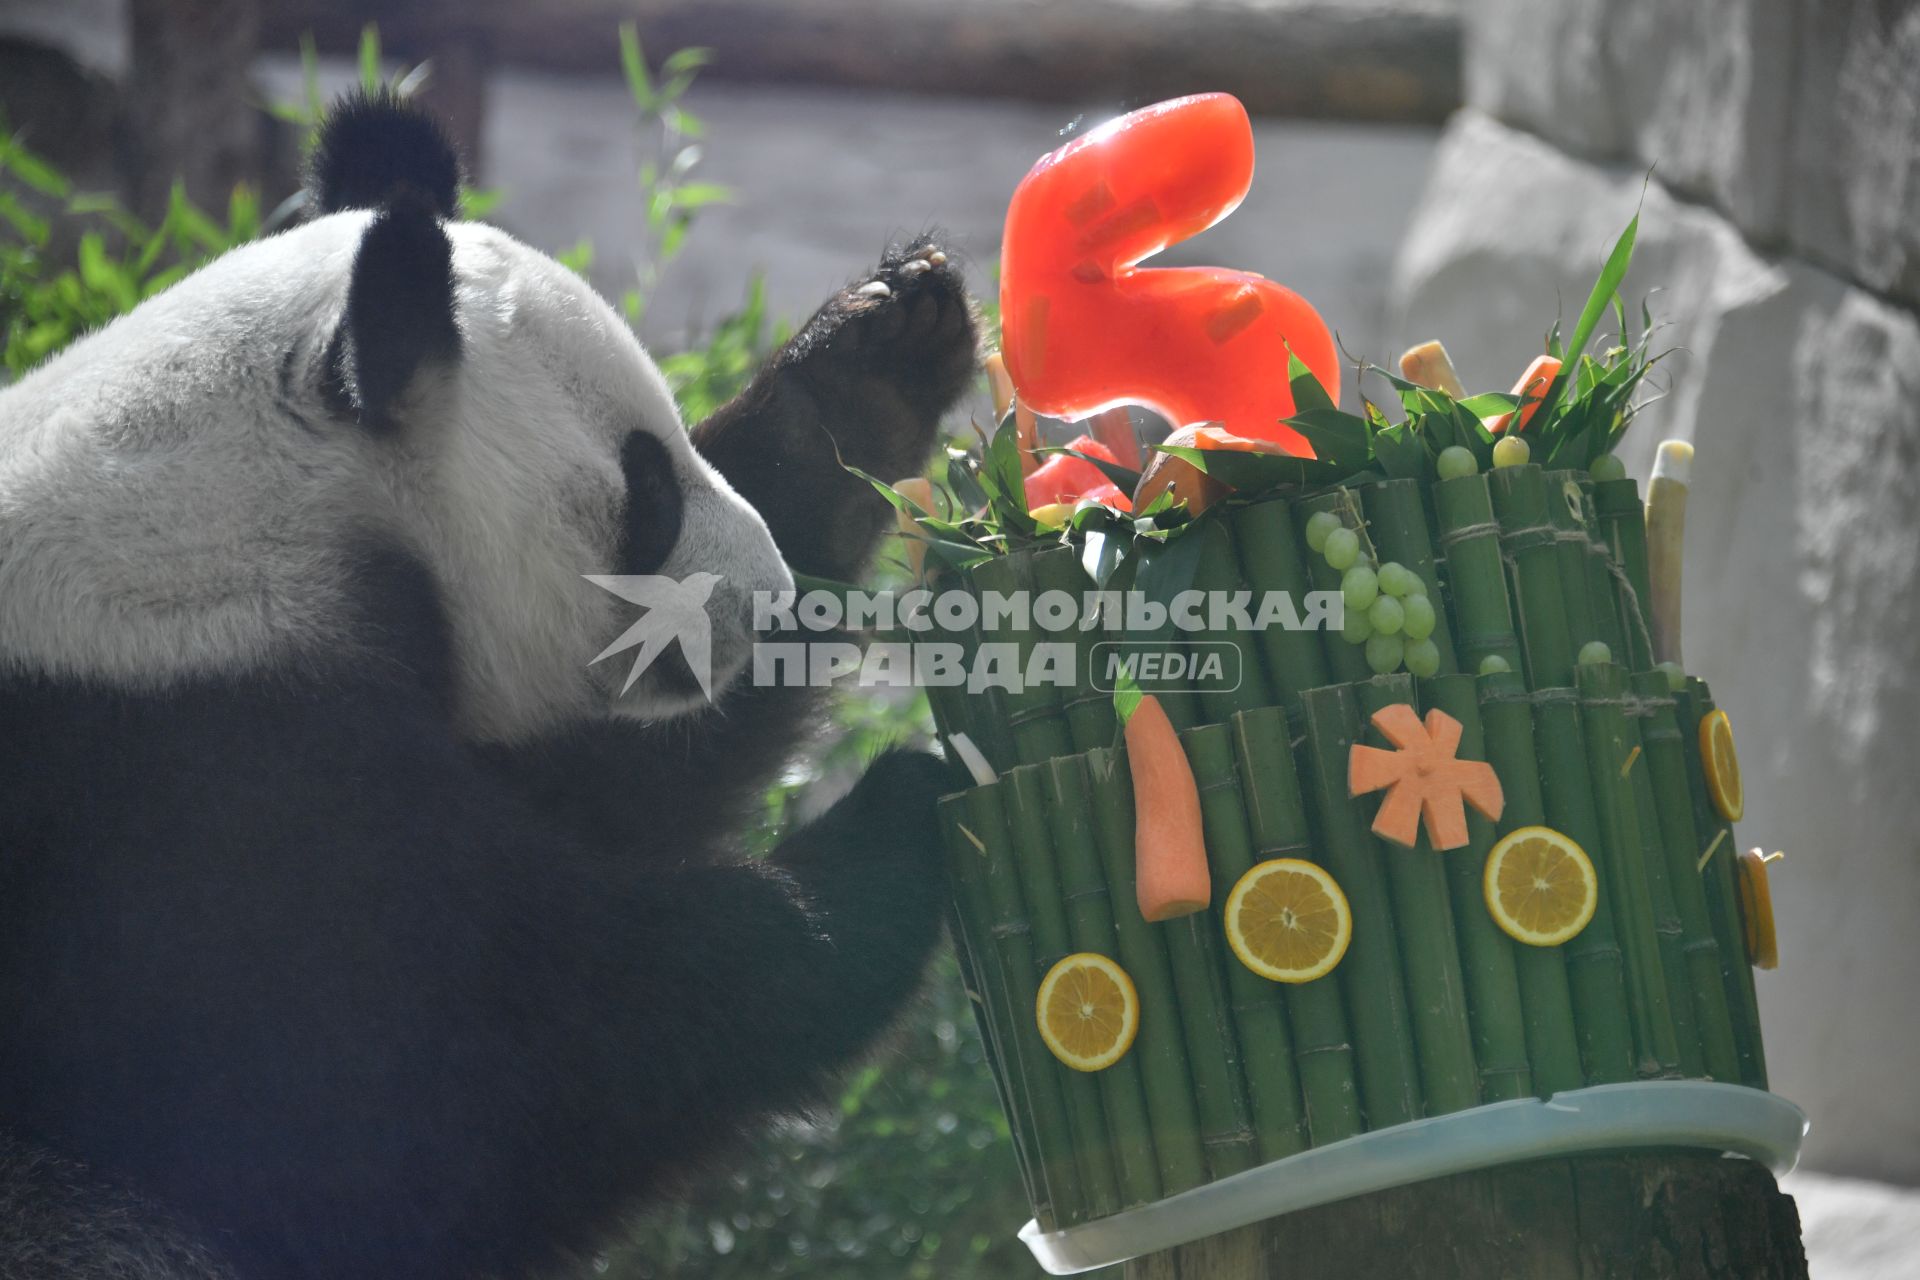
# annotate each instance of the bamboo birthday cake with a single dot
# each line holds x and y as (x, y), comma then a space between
(1374, 789)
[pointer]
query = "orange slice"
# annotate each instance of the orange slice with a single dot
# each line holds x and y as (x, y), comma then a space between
(1722, 766)
(1540, 886)
(1088, 1011)
(1288, 920)
(1756, 906)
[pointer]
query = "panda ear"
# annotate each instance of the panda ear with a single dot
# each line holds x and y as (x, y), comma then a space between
(399, 327)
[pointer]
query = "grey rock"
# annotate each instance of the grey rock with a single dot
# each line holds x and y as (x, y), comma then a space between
(1802, 394)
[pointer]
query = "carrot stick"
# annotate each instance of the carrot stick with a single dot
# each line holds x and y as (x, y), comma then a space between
(1532, 386)
(1169, 851)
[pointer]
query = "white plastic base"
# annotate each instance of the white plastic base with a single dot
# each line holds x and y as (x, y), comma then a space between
(1655, 1113)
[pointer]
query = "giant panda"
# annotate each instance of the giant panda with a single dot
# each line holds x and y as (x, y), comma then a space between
(351, 923)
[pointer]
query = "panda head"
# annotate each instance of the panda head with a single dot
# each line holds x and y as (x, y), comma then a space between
(199, 488)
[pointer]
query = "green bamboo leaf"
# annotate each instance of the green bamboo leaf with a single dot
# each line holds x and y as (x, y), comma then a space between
(31, 169)
(370, 78)
(1489, 404)
(634, 64)
(1247, 472)
(1400, 453)
(1308, 394)
(1338, 439)
(1126, 479)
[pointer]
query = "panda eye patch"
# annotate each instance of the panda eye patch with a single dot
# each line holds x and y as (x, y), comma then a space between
(653, 504)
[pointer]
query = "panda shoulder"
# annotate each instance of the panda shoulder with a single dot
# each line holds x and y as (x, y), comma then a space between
(374, 146)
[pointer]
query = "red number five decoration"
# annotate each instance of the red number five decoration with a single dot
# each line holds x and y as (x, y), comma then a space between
(1086, 328)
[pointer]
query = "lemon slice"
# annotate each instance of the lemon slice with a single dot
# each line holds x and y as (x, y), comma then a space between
(1722, 766)
(1088, 1011)
(1288, 920)
(1540, 887)
(1756, 906)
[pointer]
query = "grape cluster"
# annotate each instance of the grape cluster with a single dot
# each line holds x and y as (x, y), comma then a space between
(1387, 607)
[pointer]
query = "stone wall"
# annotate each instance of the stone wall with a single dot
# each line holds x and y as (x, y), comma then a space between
(1781, 228)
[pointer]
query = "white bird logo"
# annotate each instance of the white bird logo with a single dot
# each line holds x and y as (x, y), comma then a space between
(676, 609)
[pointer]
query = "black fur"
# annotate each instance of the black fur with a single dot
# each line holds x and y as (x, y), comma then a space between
(653, 504)
(372, 147)
(353, 998)
(399, 324)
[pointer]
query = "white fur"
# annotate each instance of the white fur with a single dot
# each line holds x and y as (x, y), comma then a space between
(164, 514)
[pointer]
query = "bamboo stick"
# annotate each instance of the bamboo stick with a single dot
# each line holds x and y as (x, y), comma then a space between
(1476, 576)
(1255, 1004)
(1277, 822)
(1023, 794)
(1495, 1008)
(1345, 662)
(1666, 532)
(1034, 716)
(1271, 560)
(1089, 907)
(1527, 544)
(1723, 895)
(1089, 712)
(1012, 938)
(992, 1000)
(1219, 573)
(1429, 945)
(1172, 1085)
(1399, 521)
(1623, 520)
(1570, 553)
(1621, 864)
(1680, 842)
(1178, 701)
(1553, 1047)
(1370, 976)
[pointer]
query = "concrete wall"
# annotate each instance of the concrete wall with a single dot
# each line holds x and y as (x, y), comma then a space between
(1780, 229)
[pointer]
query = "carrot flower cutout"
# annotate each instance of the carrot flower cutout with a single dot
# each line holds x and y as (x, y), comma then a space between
(1422, 776)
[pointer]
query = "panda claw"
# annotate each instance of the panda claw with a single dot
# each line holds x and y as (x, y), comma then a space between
(937, 258)
(918, 266)
(874, 289)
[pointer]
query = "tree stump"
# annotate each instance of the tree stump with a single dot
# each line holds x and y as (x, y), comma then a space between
(1661, 1215)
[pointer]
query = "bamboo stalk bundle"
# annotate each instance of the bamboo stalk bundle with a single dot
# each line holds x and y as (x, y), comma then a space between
(1089, 712)
(1370, 975)
(993, 1003)
(1527, 544)
(1624, 522)
(1723, 895)
(1346, 663)
(1090, 922)
(1023, 793)
(1570, 553)
(1596, 959)
(1254, 1003)
(1271, 560)
(1620, 863)
(1398, 519)
(1553, 1046)
(1495, 1009)
(1219, 572)
(1429, 946)
(1179, 702)
(1176, 1088)
(1034, 715)
(1195, 954)
(1476, 576)
(1277, 822)
(1666, 913)
(1011, 935)
(1680, 841)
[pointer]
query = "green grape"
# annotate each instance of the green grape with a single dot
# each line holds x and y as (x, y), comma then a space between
(1399, 581)
(1360, 586)
(1342, 548)
(1319, 525)
(1595, 652)
(1384, 653)
(1456, 461)
(1676, 676)
(1387, 616)
(1493, 664)
(1420, 619)
(1423, 657)
(1607, 467)
(1357, 630)
(1512, 451)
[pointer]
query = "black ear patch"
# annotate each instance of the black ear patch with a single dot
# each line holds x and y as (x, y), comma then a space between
(374, 146)
(400, 319)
